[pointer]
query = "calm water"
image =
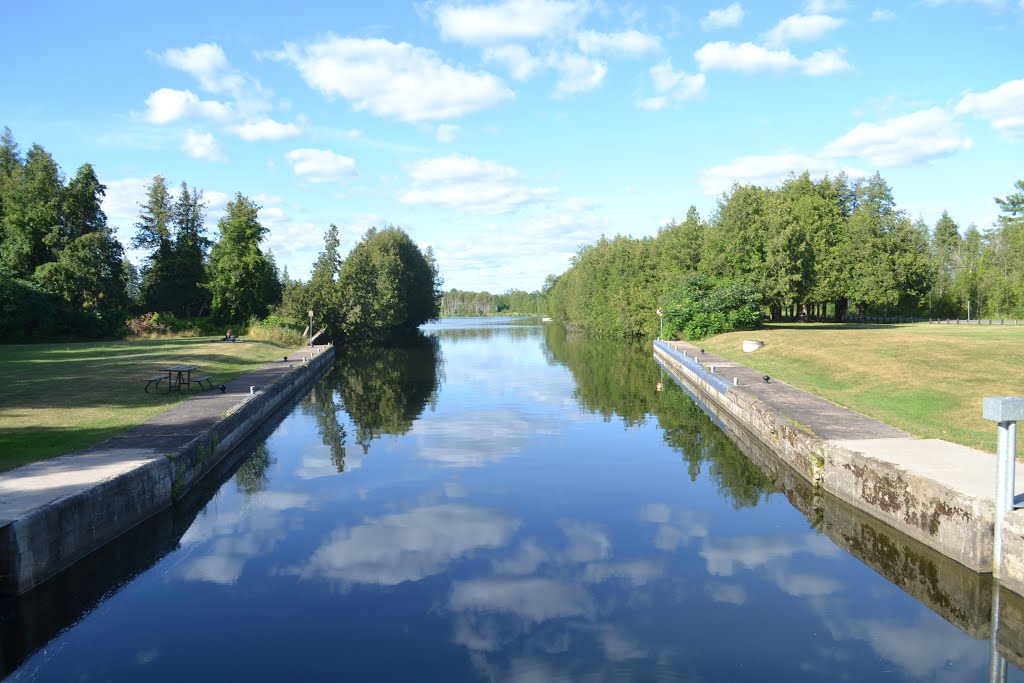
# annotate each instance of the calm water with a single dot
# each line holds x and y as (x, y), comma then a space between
(499, 502)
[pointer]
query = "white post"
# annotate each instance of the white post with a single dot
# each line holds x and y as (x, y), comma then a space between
(1005, 411)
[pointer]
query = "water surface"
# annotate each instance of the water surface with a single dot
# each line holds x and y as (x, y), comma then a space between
(494, 501)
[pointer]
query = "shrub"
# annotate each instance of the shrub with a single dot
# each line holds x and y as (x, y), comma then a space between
(701, 307)
(275, 329)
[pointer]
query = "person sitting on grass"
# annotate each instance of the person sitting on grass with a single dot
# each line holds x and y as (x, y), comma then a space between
(229, 336)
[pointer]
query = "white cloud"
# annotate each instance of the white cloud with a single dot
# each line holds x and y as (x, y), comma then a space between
(516, 58)
(723, 18)
(729, 593)
(801, 27)
(751, 58)
(121, 202)
(321, 165)
(673, 87)
(825, 6)
(395, 80)
(660, 513)
(469, 184)
(585, 542)
(768, 170)
(167, 105)
(475, 438)
(446, 133)
(201, 145)
(883, 15)
(508, 21)
(408, 546)
(527, 557)
(577, 74)
(825, 62)
(625, 42)
(634, 572)
(524, 253)
(534, 600)
(1002, 106)
(266, 129)
(902, 141)
(208, 63)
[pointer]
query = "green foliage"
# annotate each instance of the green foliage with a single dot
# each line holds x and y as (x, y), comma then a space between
(242, 278)
(275, 328)
(457, 302)
(611, 288)
(616, 379)
(386, 286)
(806, 248)
(701, 307)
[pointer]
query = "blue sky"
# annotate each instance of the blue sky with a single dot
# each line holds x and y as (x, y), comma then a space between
(505, 134)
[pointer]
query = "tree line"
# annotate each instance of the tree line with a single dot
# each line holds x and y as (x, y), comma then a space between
(63, 272)
(833, 249)
(457, 302)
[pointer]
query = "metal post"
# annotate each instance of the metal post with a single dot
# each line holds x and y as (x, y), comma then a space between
(996, 661)
(1005, 411)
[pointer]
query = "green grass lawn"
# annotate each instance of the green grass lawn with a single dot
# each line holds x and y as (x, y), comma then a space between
(58, 398)
(926, 379)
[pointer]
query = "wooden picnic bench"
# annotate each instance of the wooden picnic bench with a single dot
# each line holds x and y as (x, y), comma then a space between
(156, 379)
(179, 376)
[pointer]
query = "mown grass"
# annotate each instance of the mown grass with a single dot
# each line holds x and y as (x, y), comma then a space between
(59, 398)
(926, 379)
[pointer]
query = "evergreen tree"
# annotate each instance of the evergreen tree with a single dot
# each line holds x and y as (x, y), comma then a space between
(322, 291)
(188, 271)
(238, 268)
(32, 213)
(944, 247)
(153, 233)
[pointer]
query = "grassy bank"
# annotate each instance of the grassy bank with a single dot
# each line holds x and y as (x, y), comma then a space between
(58, 398)
(926, 379)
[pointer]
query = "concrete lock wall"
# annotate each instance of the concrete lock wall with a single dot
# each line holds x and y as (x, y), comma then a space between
(142, 481)
(958, 525)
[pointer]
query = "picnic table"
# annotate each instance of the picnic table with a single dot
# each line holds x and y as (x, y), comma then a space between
(178, 376)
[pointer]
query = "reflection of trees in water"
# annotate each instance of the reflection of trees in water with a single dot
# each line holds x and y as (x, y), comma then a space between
(251, 476)
(689, 430)
(614, 377)
(383, 390)
(323, 405)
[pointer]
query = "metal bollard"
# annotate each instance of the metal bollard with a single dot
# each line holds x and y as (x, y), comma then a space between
(1005, 411)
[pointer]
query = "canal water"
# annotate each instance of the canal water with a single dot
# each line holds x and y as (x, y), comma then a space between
(497, 500)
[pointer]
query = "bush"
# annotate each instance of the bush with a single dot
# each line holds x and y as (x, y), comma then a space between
(701, 307)
(275, 329)
(154, 325)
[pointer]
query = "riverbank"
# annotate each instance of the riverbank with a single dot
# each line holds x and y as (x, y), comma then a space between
(937, 492)
(54, 512)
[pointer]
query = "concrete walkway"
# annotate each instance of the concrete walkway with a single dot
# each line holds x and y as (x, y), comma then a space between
(73, 500)
(958, 467)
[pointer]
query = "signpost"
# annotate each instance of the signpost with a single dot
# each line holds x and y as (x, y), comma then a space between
(661, 321)
(311, 326)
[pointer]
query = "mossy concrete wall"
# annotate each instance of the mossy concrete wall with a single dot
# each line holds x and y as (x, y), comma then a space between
(958, 525)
